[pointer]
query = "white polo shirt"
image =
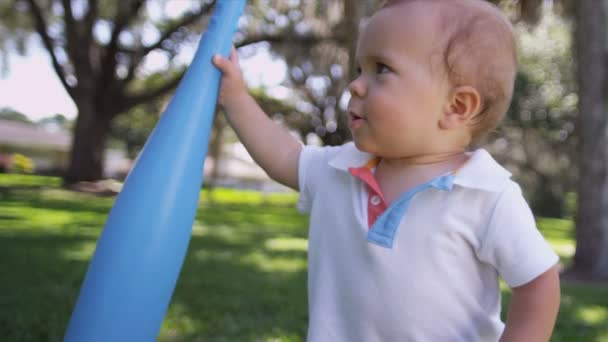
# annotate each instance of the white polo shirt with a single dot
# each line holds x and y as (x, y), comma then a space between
(428, 268)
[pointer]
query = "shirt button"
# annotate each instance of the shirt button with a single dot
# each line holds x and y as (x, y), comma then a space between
(375, 200)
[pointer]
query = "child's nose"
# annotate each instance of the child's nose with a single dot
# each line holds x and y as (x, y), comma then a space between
(357, 87)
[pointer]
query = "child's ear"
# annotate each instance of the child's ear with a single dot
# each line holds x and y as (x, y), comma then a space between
(464, 103)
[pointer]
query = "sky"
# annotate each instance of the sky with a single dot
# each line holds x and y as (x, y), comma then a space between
(32, 88)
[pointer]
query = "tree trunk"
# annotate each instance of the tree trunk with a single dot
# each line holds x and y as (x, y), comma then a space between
(591, 258)
(215, 149)
(88, 145)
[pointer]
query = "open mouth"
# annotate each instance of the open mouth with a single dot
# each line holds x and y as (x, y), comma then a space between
(355, 120)
(355, 117)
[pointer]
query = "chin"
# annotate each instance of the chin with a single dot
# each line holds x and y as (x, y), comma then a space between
(363, 147)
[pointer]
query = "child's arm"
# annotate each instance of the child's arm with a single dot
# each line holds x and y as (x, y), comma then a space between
(271, 146)
(533, 309)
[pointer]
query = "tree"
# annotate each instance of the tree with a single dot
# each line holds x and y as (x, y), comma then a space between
(537, 138)
(98, 50)
(57, 121)
(591, 220)
(13, 115)
(591, 257)
(13, 34)
(97, 69)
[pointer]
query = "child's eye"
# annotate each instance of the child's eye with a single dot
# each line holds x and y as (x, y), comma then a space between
(382, 68)
(358, 70)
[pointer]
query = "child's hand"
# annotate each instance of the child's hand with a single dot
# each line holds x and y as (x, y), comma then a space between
(233, 87)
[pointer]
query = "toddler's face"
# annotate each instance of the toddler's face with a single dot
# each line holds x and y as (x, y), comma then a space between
(399, 95)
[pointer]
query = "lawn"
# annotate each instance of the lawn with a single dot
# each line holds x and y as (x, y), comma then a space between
(244, 278)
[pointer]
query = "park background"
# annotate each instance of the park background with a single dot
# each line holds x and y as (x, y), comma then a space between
(84, 82)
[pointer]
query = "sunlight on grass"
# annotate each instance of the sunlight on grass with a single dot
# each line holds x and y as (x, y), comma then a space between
(281, 337)
(564, 250)
(559, 234)
(227, 196)
(178, 324)
(29, 180)
(244, 277)
(205, 255)
(274, 264)
(230, 234)
(593, 314)
(556, 229)
(199, 229)
(286, 244)
(50, 220)
(82, 252)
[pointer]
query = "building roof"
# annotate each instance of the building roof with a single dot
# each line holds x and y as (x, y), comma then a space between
(22, 134)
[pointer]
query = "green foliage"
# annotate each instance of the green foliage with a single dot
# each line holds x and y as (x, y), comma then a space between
(537, 139)
(132, 129)
(244, 277)
(16, 180)
(15, 27)
(13, 115)
(58, 121)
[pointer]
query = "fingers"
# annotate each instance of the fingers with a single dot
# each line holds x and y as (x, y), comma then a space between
(221, 63)
(227, 66)
(234, 57)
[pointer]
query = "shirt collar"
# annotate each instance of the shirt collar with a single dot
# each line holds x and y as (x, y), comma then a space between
(480, 172)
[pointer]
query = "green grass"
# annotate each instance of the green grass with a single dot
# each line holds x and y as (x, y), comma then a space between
(244, 278)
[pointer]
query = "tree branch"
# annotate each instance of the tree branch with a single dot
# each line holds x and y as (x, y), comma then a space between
(149, 95)
(138, 55)
(90, 16)
(135, 60)
(40, 25)
(77, 44)
(68, 15)
(120, 23)
(145, 96)
(306, 40)
(71, 31)
(185, 21)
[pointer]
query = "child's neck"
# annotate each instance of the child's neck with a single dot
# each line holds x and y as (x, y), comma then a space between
(398, 175)
(426, 161)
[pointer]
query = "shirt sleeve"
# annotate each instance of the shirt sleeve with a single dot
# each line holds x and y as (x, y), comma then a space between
(513, 244)
(312, 159)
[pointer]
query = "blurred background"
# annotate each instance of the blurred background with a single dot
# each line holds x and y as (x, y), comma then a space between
(83, 82)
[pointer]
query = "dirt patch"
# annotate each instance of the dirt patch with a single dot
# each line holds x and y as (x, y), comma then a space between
(97, 188)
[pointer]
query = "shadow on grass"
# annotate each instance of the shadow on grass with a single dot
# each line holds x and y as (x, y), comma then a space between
(238, 292)
(575, 321)
(59, 200)
(234, 284)
(46, 240)
(244, 277)
(39, 284)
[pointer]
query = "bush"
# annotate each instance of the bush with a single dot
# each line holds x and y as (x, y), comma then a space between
(22, 164)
